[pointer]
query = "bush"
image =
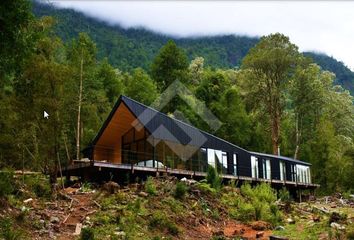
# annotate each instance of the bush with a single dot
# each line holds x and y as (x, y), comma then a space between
(87, 234)
(257, 204)
(213, 178)
(160, 221)
(180, 190)
(284, 195)
(6, 182)
(8, 232)
(150, 187)
(38, 185)
(205, 187)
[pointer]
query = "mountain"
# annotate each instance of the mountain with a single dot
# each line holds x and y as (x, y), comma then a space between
(136, 47)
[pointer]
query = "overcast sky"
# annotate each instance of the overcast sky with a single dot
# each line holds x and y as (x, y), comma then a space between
(322, 26)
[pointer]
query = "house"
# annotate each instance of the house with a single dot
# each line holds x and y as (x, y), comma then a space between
(141, 140)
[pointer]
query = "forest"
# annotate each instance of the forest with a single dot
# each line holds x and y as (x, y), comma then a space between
(129, 48)
(268, 95)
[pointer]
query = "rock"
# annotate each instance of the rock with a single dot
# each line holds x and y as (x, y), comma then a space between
(260, 225)
(111, 187)
(290, 221)
(120, 233)
(259, 234)
(78, 229)
(143, 194)
(54, 219)
(337, 226)
(28, 200)
(188, 181)
(279, 228)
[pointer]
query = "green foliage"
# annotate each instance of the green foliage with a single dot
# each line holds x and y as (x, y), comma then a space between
(284, 195)
(169, 65)
(8, 231)
(39, 185)
(6, 182)
(180, 190)
(140, 86)
(150, 187)
(160, 221)
(213, 178)
(257, 203)
(87, 234)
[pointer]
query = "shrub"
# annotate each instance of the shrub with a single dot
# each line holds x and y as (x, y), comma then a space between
(213, 178)
(257, 204)
(150, 187)
(180, 190)
(172, 228)
(160, 221)
(6, 182)
(87, 234)
(8, 232)
(157, 219)
(38, 185)
(205, 187)
(284, 195)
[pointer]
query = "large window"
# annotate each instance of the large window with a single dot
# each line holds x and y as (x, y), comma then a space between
(234, 165)
(218, 160)
(303, 174)
(266, 168)
(254, 166)
(282, 170)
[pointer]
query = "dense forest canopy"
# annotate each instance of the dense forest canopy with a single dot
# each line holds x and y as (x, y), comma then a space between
(276, 99)
(136, 47)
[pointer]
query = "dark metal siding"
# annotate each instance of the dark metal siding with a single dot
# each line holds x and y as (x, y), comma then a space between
(157, 123)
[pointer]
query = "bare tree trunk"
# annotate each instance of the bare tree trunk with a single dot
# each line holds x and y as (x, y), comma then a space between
(298, 134)
(79, 112)
(275, 133)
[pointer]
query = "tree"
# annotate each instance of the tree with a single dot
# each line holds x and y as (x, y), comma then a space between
(140, 86)
(196, 68)
(236, 126)
(17, 35)
(111, 80)
(82, 51)
(269, 66)
(170, 64)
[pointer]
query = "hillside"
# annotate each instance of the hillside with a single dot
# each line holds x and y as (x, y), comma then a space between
(136, 47)
(164, 208)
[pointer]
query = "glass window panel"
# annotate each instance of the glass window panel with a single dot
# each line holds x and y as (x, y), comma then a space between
(268, 169)
(235, 164)
(254, 166)
(211, 157)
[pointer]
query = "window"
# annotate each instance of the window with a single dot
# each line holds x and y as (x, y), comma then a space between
(234, 166)
(282, 170)
(211, 157)
(224, 162)
(303, 174)
(254, 166)
(266, 168)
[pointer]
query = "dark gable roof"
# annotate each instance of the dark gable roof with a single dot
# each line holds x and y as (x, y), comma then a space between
(157, 123)
(281, 157)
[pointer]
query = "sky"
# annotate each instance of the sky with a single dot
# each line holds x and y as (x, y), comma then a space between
(320, 26)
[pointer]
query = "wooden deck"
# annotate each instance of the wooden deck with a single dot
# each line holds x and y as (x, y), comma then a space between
(79, 167)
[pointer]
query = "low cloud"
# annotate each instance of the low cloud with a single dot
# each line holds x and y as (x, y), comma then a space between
(314, 26)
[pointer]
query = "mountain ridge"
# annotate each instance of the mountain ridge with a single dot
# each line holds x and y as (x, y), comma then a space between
(128, 48)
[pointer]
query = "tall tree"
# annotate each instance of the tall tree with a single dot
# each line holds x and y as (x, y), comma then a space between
(170, 64)
(270, 65)
(82, 52)
(140, 86)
